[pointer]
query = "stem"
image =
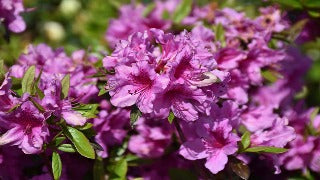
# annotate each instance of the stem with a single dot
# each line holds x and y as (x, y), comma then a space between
(196, 163)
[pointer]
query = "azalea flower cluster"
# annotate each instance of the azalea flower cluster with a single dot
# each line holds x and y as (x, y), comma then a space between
(202, 89)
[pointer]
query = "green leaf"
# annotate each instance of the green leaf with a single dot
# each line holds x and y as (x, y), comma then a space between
(266, 149)
(290, 3)
(65, 85)
(2, 71)
(98, 169)
(87, 110)
(245, 140)
(85, 127)
(182, 11)
(165, 15)
(80, 141)
(28, 80)
(134, 115)
(178, 174)
(67, 148)
(219, 34)
(102, 91)
(148, 9)
(58, 140)
(171, 117)
(240, 168)
(37, 105)
(269, 75)
(56, 165)
(118, 169)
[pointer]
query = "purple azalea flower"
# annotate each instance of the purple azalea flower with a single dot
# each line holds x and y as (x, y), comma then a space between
(138, 84)
(154, 136)
(10, 11)
(110, 127)
(216, 143)
(26, 128)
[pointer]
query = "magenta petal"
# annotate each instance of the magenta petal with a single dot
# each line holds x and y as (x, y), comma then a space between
(216, 162)
(193, 150)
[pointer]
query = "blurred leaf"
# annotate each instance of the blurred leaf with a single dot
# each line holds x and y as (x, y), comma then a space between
(314, 113)
(219, 34)
(165, 15)
(170, 117)
(2, 71)
(178, 174)
(295, 29)
(150, 7)
(28, 80)
(96, 146)
(315, 14)
(266, 149)
(240, 168)
(118, 169)
(289, 3)
(182, 10)
(312, 3)
(80, 141)
(271, 76)
(65, 85)
(67, 148)
(56, 165)
(134, 115)
(98, 169)
(302, 94)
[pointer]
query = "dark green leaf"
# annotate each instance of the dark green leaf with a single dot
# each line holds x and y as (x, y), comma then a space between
(56, 165)
(134, 115)
(266, 149)
(65, 85)
(2, 71)
(28, 80)
(245, 140)
(67, 148)
(178, 174)
(170, 117)
(97, 146)
(98, 169)
(290, 3)
(80, 141)
(182, 11)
